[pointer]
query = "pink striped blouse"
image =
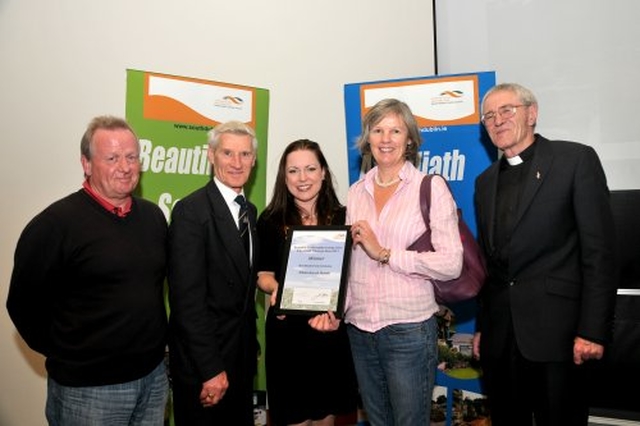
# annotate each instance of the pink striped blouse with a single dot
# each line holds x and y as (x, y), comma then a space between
(400, 292)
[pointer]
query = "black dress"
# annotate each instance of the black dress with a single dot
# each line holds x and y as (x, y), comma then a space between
(310, 374)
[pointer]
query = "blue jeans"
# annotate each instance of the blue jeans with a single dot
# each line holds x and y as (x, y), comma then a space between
(141, 402)
(396, 369)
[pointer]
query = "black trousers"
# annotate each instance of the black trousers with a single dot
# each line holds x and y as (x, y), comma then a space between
(519, 391)
(236, 408)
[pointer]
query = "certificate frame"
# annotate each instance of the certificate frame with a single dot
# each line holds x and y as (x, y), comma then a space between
(315, 269)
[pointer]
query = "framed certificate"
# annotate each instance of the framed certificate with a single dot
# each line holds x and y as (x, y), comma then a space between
(315, 270)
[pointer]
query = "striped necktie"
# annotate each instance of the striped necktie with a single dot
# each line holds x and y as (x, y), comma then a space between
(243, 222)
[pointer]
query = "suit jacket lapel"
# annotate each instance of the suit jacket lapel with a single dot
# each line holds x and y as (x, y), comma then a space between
(540, 165)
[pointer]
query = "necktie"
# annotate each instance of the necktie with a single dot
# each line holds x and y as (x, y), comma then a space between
(243, 222)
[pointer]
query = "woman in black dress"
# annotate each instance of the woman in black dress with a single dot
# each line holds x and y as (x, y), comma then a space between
(310, 375)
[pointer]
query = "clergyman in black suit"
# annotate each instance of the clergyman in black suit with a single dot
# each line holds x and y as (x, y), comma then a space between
(212, 280)
(546, 228)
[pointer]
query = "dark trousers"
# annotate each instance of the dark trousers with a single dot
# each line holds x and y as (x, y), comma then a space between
(236, 408)
(519, 390)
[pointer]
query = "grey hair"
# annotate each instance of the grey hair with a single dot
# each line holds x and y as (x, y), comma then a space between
(525, 95)
(107, 122)
(235, 127)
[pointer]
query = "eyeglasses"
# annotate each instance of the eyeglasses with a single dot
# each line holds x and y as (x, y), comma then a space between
(505, 111)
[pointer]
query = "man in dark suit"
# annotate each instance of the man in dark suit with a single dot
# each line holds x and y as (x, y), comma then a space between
(546, 228)
(213, 342)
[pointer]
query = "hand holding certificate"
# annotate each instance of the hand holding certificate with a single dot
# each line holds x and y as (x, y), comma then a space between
(316, 265)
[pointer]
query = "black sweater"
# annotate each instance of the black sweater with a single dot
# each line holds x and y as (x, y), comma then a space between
(87, 290)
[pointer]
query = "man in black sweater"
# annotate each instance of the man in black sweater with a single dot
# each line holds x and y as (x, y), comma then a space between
(87, 290)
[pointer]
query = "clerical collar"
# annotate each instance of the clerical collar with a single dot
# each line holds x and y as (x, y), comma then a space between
(523, 157)
(514, 161)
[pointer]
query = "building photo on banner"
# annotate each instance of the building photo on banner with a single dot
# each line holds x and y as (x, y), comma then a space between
(447, 109)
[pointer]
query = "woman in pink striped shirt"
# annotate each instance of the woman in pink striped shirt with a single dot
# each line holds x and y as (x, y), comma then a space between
(390, 303)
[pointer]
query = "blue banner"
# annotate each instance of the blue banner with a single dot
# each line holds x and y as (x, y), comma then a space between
(447, 109)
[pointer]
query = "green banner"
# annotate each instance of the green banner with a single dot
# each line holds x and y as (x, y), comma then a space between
(171, 116)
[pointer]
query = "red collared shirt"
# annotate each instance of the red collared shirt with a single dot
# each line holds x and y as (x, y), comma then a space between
(119, 211)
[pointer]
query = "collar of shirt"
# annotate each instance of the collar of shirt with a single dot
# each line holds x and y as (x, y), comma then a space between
(229, 196)
(522, 158)
(118, 211)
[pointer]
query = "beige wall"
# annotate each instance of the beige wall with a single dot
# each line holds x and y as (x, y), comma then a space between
(63, 62)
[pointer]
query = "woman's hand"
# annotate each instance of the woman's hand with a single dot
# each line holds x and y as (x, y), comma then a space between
(268, 284)
(325, 322)
(362, 234)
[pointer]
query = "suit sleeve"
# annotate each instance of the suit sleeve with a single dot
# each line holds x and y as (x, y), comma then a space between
(596, 230)
(192, 323)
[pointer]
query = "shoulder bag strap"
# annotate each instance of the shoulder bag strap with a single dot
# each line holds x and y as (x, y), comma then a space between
(425, 198)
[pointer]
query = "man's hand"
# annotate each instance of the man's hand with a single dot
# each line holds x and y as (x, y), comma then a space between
(213, 390)
(584, 350)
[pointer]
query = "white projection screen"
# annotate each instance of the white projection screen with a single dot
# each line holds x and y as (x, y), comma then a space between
(580, 57)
